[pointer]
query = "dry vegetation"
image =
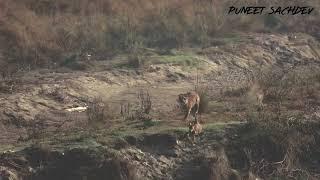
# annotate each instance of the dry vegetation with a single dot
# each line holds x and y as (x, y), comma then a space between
(41, 32)
(96, 111)
(281, 140)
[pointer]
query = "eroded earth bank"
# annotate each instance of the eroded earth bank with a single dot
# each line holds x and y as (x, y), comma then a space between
(117, 118)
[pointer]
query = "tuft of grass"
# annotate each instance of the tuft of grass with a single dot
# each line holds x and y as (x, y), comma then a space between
(150, 123)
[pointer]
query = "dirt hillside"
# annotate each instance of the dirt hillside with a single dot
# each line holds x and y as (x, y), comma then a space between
(34, 105)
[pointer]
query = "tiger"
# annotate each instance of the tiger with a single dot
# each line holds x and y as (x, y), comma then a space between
(189, 100)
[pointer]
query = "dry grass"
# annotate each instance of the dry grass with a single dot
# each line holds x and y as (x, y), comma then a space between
(145, 101)
(47, 32)
(140, 110)
(280, 147)
(281, 142)
(144, 107)
(204, 100)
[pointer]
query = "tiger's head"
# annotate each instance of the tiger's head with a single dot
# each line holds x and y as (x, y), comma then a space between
(182, 99)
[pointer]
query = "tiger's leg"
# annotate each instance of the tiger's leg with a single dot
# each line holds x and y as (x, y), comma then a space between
(187, 115)
(196, 112)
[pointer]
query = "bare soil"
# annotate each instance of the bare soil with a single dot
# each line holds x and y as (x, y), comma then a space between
(34, 111)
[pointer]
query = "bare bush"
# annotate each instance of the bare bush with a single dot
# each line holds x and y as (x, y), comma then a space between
(203, 92)
(126, 110)
(145, 101)
(137, 61)
(98, 112)
(141, 110)
(204, 100)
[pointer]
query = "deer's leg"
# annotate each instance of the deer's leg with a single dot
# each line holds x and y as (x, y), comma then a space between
(260, 106)
(187, 135)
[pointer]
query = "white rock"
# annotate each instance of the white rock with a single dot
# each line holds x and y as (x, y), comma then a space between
(77, 109)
